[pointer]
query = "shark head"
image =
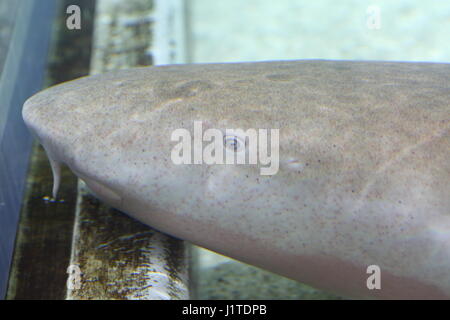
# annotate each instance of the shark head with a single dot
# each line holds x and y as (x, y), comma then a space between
(337, 174)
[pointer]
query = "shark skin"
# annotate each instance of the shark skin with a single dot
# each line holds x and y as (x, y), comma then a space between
(363, 179)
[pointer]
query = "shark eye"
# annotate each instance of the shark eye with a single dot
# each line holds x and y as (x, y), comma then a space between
(233, 143)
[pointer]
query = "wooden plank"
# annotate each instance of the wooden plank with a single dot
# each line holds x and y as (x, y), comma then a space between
(43, 242)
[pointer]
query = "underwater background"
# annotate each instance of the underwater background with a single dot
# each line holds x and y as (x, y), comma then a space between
(194, 31)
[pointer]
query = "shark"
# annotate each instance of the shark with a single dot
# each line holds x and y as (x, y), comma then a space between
(359, 204)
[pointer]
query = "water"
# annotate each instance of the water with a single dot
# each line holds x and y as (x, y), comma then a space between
(251, 30)
(322, 29)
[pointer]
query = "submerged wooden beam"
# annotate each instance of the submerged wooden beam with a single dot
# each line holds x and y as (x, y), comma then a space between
(44, 236)
(121, 258)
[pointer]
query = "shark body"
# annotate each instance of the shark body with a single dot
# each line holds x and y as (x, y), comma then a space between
(363, 179)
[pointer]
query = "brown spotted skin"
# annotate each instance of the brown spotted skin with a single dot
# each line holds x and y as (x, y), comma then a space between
(364, 175)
